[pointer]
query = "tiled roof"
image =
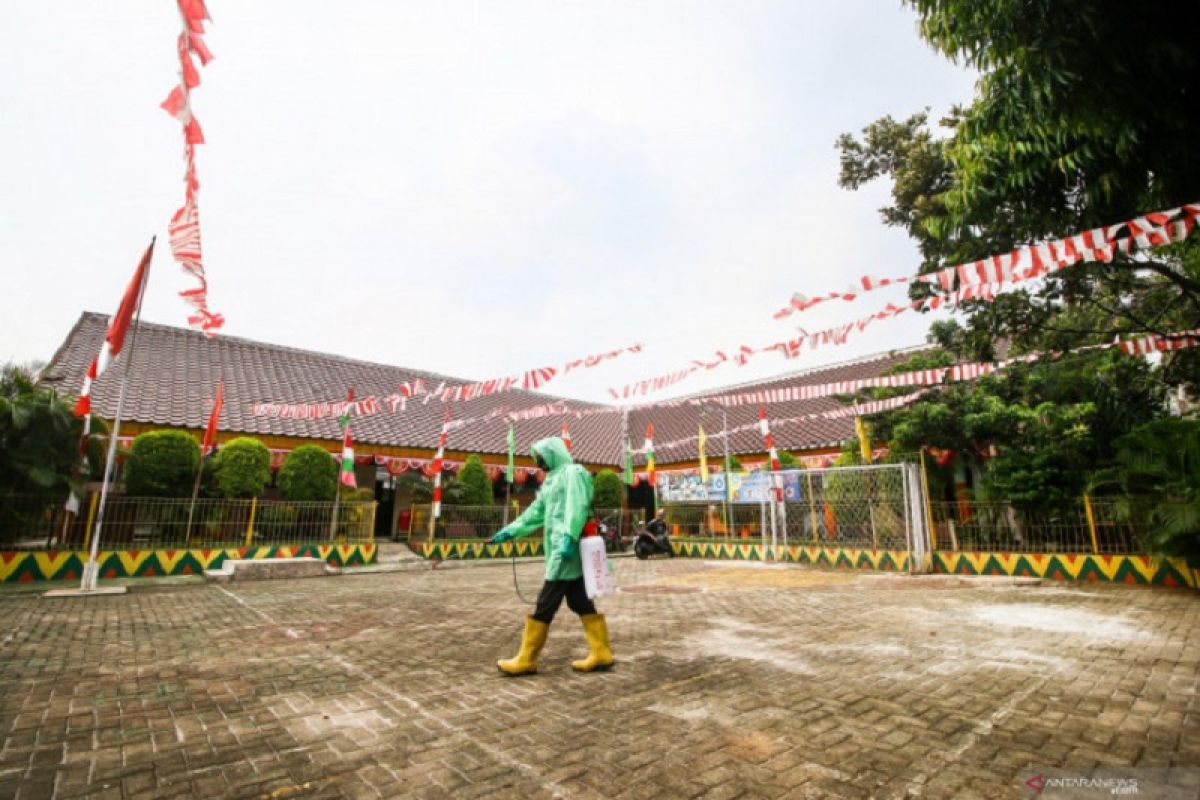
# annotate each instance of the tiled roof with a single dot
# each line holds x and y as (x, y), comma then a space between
(174, 373)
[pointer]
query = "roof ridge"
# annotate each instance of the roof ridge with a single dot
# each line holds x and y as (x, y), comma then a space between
(327, 356)
(867, 359)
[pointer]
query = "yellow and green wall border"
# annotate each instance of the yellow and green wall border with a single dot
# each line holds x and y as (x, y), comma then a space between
(19, 566)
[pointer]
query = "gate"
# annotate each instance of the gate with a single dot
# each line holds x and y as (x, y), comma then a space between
(879, 507)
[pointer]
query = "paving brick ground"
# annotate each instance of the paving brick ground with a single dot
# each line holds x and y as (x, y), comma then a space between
(732, 681)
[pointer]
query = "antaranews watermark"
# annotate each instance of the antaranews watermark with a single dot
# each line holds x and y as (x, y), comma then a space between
(1182, 783)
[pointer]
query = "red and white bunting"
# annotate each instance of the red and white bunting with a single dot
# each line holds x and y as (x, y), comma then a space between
(437, 468)
(1024, 263)
(184, 227)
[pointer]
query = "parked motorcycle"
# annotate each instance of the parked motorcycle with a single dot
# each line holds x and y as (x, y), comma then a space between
(613, 543)
(653, 539)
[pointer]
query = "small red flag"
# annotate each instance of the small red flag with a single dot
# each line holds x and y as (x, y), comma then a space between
(210, 433)
(119, 325)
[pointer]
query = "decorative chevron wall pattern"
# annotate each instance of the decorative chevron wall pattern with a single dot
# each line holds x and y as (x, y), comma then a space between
(442, 551)
(68, 564)
(853, 558)
(1071, 567)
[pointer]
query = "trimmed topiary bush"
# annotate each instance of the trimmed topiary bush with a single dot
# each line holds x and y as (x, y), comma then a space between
(477, 486)
(607, 490)
(309, 473)
(162, 464)
(243, 468)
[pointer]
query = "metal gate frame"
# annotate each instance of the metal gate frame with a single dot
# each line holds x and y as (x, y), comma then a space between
(916, 530)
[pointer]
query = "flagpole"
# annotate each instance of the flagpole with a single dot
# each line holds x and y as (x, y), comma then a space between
(92, 568)
(728, 481)
(195, 493)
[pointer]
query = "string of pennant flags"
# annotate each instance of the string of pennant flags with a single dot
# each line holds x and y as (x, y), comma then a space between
(923, 377)
(1024, 263)
(184, 227)
(979, 280)
(1145, 345)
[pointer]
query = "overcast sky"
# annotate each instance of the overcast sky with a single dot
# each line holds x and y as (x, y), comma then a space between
(470, 188)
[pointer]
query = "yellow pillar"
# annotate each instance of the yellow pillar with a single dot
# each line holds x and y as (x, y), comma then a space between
(87, 534)
(250, 522)
(1091, 521)
(928, 505)
(812, 508)
(371, 523)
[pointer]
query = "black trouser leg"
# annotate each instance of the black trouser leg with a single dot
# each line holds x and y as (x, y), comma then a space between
(552, 595)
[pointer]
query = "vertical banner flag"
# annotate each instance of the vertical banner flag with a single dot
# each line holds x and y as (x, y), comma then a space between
(511, 472)
(628, 463)
(184, 227)
(650, 454)
(346, 478)
(114, 339)
(703, 457)
(864, 439)
(566, 435)
(210, 432)
(772, 453)
(437, 470)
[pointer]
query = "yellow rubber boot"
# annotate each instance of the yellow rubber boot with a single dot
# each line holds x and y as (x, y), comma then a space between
(596, 631)
(525, 662)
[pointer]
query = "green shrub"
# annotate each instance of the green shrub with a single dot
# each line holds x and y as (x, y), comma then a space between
(607, 490)
(477, 486)
(415, 486)
(243, 468)
(788, 461)
(309, 473)
(162, 464)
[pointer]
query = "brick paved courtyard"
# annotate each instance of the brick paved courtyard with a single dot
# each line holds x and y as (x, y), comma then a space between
(732, 681)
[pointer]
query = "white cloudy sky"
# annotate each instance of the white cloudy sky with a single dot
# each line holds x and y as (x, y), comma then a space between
(468, 187)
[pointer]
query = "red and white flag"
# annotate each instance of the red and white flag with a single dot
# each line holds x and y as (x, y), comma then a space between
(566, 435)
(210, 432)
(118, 326)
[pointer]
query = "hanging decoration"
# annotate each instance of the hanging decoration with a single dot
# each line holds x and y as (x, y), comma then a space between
(1024, 263)
(977, 281)
(184, 228)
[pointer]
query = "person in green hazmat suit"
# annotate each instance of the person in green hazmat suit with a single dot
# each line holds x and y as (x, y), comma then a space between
(562, 506)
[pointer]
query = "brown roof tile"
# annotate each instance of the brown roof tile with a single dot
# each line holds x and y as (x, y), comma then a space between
(185, 367)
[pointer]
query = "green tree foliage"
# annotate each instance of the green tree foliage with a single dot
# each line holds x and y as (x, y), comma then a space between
(242, 468)
(1157, 472)
(1038, 431)
(1084, 115)
(309, 473)
(608, 491)
(787, 461)
(162, 464)
(415, 486)
(477, 486)
(39, 437)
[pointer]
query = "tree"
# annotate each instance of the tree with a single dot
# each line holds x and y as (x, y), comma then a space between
(243, 468)
(477, 486)
(39, 437)
(1043, 151)
(309, 473)
(1157, 472)
(416, 486)
(787, 461)
(1037, 432)
(607, 490)
(162, 464)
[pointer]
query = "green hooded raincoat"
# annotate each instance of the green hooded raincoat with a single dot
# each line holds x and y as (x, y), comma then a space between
(561, 508)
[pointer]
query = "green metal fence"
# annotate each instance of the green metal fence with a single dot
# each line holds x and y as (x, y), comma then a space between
(32, 522)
